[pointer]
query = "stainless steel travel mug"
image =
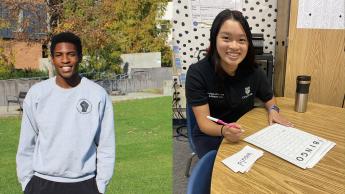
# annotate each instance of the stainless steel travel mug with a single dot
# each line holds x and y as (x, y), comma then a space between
(302, 91)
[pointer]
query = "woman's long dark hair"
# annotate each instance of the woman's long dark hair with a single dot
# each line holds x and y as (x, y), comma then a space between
(248, 63)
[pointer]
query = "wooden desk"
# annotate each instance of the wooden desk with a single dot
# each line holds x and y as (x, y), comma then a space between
(271, 174)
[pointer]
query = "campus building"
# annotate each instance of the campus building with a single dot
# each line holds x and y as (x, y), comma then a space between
(29, 23)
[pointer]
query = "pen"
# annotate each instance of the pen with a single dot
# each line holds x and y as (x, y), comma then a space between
(222, 122)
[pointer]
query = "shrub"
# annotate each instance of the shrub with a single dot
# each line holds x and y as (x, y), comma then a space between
(12, 73)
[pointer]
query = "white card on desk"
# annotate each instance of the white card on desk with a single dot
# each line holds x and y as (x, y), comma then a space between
(296, 146)
(243, 160)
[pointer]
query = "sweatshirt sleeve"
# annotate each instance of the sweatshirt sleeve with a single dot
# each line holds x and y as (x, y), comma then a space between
(27, 142)
(106, 147)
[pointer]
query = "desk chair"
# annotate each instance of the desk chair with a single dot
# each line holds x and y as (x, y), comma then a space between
(200, 144)
(191, 122)
(16, 99)
(200, 180)
(269, 65)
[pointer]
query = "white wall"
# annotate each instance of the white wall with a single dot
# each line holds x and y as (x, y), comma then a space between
(141, 60)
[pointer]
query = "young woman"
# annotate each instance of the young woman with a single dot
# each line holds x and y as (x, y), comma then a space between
(225, 83)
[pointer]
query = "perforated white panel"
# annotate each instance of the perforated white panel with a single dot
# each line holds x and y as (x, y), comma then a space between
(261, 16)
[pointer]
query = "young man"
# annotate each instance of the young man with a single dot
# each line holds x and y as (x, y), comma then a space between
(67, 139)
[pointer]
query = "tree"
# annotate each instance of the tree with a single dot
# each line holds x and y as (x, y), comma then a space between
(137, 27)
(109, 28)
(5, 62)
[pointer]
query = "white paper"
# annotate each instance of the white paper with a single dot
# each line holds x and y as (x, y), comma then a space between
(293, 145)
(203, 12)
(320, 154)
(321, 14)
(243, 160)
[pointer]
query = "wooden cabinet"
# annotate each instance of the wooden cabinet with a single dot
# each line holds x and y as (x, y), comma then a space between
(319, 53)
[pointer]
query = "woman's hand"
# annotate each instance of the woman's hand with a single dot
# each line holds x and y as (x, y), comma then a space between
(275, 117)
(232, 132)
(273, 114)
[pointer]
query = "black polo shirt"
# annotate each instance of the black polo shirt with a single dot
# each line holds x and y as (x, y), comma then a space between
(230, 97)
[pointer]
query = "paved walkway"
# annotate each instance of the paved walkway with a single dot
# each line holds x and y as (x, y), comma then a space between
(135, 96)
(13, 110)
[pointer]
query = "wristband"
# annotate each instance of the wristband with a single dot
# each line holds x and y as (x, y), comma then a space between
(221, 131)
(274, 107)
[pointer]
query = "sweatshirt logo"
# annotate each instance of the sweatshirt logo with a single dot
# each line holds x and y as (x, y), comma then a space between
(84, 106)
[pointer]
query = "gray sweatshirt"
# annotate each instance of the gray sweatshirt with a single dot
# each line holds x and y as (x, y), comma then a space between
(67, 135)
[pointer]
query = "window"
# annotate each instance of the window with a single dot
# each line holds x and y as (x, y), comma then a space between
(30, 19)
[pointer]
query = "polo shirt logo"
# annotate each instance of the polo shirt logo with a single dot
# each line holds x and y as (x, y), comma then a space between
(84, 106)
(247, 92)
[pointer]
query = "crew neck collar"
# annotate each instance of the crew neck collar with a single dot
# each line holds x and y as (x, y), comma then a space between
(67, 89)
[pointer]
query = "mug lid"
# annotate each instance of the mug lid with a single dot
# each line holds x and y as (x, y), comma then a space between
(303, 78)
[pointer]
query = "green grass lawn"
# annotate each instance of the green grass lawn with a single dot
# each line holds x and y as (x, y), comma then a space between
(143, 148)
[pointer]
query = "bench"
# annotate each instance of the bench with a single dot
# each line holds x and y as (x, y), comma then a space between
(16, 99)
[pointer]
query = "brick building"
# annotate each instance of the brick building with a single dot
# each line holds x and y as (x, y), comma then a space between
(28, 21)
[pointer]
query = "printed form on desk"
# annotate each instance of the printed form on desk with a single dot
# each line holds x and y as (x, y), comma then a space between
(296, 146)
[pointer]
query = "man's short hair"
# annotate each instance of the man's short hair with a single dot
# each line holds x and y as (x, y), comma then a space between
(66, 37)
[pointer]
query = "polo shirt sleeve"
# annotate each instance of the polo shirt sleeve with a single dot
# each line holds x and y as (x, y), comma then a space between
(264, 91)
(196, 88)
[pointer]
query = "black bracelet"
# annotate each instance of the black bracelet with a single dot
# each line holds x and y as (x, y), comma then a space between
(221, 131)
